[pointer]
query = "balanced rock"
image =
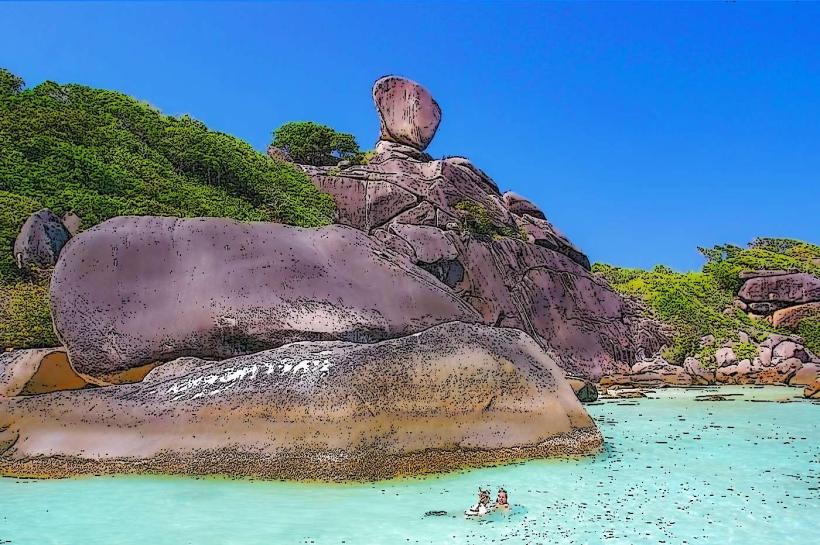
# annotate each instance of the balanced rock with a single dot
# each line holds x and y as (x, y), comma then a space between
(407, 112)
(40, 241)
(451, 396)
(136, 290)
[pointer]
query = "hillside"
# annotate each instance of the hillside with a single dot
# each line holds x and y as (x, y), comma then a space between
(697, 304)
(101, 154)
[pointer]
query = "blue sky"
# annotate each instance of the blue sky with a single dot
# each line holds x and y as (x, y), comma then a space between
(642, 130)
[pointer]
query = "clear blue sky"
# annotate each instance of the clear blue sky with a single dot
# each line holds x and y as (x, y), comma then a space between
(642, 130)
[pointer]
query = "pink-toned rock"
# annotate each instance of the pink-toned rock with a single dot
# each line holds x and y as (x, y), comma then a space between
(136, 290)
(699, 374)
(806, 375)
(792, 288)
(408, 113)
(37, 371)
(812, 391)
(792, 316)
(725, 356)
(541, 232)
(453, 395)
(520, 206)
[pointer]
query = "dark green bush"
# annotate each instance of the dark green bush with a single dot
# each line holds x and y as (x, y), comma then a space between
(809, 329)
(310, 143)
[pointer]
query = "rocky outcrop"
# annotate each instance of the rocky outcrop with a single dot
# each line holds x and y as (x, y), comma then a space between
(451, 396)
(37, 371)
(791, 317)
(527, 275)
(136, 290)
(40, 241)
(785, 289)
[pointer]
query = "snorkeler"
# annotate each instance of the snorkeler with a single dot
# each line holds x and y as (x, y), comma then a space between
(501, 501)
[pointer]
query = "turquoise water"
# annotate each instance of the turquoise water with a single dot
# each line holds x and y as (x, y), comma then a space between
(674, 471)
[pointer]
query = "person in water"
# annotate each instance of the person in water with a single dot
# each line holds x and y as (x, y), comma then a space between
(483, 505)
(501, 501)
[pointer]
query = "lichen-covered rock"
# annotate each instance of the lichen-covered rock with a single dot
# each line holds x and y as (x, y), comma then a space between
(453, 395)
(407, 112)
(136, 290)
(40, 241)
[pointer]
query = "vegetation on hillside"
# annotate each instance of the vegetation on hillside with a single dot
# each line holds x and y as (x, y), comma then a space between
(310, 143)
(102, 154)
(697, 304)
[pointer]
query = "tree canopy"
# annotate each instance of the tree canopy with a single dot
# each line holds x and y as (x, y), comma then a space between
(310, 143)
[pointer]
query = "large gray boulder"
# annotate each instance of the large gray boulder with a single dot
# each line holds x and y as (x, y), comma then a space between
(136, 290)
(40, 240)
(451, 396)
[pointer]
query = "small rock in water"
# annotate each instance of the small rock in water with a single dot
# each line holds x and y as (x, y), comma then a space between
(435, 513)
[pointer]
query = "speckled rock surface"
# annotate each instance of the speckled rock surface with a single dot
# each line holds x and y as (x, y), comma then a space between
(136, 290)
(453, 395)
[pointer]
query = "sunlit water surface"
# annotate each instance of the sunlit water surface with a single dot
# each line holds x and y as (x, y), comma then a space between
(674, 470)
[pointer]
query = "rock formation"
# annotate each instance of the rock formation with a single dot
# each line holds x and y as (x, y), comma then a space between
(40, 241)
(453, 395)
(524, 273)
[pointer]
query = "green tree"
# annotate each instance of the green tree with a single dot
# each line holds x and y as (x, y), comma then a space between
(9, 83)
(310, 143)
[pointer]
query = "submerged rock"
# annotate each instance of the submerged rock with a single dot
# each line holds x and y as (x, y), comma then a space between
(453, 395)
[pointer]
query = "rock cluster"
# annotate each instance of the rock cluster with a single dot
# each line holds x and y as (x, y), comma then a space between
(779, 359)
(529, 275)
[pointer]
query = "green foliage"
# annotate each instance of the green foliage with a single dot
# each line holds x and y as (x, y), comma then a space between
(477, 221)
(809, 329)
(103, 154)
(693, 303)
(745, 351)
(9, 83)
(726, 262)
(25, 321)
(310, 143)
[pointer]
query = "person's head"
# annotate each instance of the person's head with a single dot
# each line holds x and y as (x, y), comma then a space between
(502, 495)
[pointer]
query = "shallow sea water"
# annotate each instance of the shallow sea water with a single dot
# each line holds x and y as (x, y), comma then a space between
(674, 471)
